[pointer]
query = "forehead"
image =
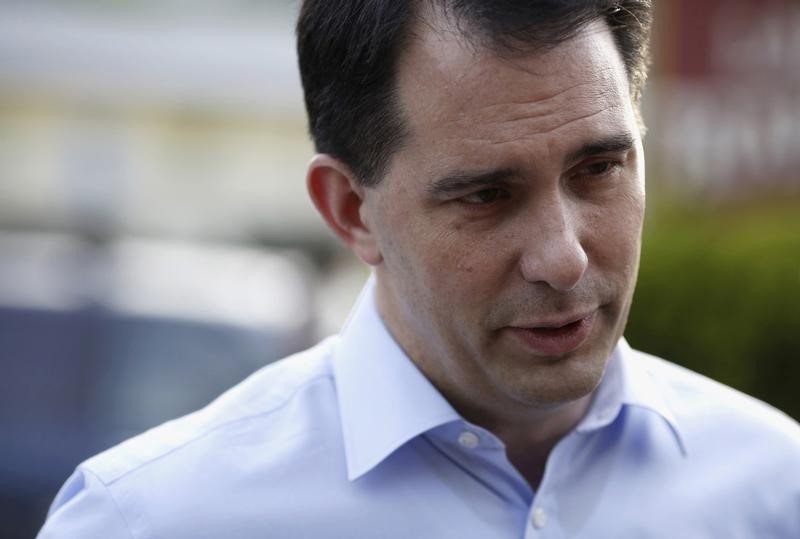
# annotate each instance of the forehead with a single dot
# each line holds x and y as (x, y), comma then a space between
(467, 100)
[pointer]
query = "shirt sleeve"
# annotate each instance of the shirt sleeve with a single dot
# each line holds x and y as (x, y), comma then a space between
(84, 508)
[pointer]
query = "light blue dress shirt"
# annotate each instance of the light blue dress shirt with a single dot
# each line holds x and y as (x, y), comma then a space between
(350, 440)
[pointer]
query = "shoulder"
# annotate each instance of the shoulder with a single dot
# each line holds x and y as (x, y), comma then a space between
(711, 414)
(273, 402)
(270, 426)
(742, 456)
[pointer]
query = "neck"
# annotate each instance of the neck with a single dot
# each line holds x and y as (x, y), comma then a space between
(530, 435)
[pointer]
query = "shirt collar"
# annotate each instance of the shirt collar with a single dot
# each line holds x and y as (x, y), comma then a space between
(384, 400)
(627, 382)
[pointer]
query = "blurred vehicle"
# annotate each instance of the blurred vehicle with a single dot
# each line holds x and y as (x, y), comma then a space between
(102, 340)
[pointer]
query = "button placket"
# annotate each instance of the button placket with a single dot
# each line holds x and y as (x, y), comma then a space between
(543, 515)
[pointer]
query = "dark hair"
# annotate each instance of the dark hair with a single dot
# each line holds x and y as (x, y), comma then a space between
(348, 52)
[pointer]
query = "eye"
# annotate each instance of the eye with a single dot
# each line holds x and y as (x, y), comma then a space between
(484, 196)
(599, 168)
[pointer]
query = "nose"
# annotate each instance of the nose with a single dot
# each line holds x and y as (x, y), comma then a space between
(553, 252)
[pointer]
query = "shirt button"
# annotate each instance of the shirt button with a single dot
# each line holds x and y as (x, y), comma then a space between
(469, 439)
(539, 518)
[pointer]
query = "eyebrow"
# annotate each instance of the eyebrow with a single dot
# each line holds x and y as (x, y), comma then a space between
(612, 144)
(462, 181)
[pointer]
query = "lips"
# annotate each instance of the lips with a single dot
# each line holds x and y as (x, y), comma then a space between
(557, 337)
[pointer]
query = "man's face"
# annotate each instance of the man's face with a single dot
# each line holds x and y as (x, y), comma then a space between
(509, 224)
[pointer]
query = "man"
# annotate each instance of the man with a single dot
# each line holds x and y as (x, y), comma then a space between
(485, 159)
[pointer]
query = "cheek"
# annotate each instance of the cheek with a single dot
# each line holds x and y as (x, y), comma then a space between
(466, 256)
(428, 249)
(457, 270)
(449, 261)
(613, 233)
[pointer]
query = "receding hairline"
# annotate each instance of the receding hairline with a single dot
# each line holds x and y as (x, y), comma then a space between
(432, 29)
(441, 17)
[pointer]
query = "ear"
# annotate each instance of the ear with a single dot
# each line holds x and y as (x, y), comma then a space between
(339, 198)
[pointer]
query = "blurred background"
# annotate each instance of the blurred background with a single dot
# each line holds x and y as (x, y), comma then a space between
(157, 245)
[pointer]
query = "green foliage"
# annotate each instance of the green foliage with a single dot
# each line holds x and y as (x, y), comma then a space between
(719, 292)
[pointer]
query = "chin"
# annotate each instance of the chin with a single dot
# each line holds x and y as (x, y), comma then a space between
(548, 385)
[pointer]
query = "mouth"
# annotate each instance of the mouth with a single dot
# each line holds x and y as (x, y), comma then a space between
(556, 337)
